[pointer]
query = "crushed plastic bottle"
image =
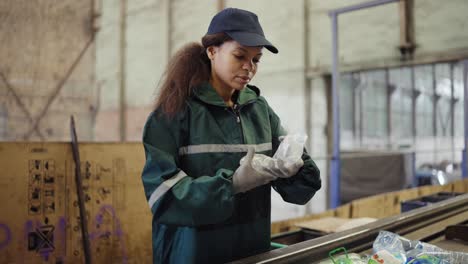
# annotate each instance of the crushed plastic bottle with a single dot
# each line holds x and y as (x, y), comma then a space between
(392, 244)
(416, 252)
(390, 248)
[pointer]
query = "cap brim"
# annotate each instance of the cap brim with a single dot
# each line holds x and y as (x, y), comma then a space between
(252, 40)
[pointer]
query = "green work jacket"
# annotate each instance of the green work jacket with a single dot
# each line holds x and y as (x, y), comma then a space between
(187, 178)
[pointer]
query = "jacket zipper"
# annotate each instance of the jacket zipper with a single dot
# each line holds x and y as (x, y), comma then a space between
(238, 119)
(236, 109)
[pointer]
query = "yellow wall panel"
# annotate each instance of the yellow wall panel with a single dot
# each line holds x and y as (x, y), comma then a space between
(40, 216)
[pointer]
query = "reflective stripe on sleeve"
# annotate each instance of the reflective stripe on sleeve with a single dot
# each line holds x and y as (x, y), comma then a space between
(164, 187)
(223, 148)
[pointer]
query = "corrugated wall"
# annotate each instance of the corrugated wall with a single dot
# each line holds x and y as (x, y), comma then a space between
(46, 69)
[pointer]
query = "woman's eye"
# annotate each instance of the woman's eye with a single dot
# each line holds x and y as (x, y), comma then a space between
(239, 57)
(256, 60)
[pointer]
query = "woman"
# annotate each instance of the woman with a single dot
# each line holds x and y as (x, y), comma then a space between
(206, 208)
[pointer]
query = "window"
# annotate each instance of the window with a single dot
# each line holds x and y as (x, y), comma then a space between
(443, 100)
(402, 105)
(348, 85)
(374, 94)
(424, 83)
(458, 99)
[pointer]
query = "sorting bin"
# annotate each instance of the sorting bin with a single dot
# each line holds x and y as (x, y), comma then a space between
(292, 237)
(425, 200)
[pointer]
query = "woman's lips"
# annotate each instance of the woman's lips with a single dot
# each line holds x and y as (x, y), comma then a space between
(243, 79)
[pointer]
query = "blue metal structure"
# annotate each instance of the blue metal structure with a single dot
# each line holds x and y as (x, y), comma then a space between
(465, 117)
(335, 163)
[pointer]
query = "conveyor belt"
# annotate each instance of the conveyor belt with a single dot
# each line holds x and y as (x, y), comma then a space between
(425, 224)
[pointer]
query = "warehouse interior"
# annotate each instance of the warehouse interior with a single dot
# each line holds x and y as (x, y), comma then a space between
(379, 87)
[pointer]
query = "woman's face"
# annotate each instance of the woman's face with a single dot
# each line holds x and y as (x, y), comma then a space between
(233, 65)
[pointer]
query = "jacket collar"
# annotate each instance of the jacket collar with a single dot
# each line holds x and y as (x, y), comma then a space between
(208, 94)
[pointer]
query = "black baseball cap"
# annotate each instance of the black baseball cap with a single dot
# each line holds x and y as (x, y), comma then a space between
(242, 26)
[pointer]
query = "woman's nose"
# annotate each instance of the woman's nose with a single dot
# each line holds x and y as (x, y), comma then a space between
(248, 65)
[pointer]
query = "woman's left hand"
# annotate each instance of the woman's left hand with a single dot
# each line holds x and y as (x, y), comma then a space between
(276, 167)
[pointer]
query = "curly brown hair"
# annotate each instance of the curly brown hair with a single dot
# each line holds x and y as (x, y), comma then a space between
(188, 68)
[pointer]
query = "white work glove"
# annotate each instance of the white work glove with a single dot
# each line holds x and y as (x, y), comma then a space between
(276, 167)
(246, 177)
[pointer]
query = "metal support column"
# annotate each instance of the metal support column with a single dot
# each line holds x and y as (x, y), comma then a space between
(465, 118)
(335, 164)
(413, 170)
(123, 71)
